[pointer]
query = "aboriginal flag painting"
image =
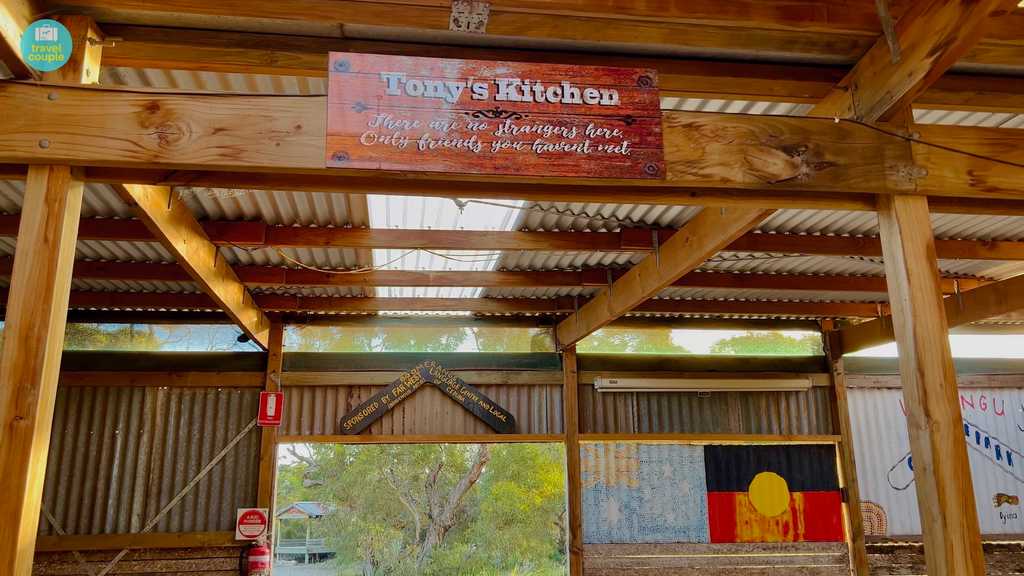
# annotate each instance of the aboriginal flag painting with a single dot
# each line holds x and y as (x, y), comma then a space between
(773, 494)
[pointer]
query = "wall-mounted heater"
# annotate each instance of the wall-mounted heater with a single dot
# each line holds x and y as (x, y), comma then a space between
(604, 384)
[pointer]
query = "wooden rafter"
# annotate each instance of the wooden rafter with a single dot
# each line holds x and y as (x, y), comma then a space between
(15, 16)
(249, 53)
(1004, 205)
(738, 155)
(254, 234)
(703, 236)
(280, 277)
(989, 301)
(932, 36)
(168, 218)
(355, 305)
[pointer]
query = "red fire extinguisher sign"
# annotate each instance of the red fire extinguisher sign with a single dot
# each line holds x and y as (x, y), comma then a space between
(271, 408)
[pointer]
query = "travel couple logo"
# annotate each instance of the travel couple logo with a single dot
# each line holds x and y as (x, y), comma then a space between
(46, 45)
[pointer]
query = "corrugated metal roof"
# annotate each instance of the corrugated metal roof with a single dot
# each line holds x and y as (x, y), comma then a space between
(98, 201)
(411, 212)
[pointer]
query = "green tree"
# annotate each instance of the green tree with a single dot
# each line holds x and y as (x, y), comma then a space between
(769, 344)
(377, 339)
(434, 509)
(625, 340)
(512, 339)
(111, 337)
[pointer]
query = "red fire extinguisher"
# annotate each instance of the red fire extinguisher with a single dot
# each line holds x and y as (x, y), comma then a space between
(256, 559)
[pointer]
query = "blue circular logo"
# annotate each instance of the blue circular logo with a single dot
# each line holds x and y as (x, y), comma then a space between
(46, 45)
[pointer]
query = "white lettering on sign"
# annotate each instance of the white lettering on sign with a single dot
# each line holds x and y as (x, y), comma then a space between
(506, 90)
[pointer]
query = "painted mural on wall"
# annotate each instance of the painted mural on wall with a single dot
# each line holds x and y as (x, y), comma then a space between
(993, 429)
(659, 493)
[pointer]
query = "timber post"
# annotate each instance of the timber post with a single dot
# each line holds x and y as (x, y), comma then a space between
(37, 305)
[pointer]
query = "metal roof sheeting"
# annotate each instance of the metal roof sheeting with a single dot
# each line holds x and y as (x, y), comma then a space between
(794, 413)
(119, 454)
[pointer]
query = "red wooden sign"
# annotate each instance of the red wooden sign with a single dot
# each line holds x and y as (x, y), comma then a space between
(271, 408)
(470, 116)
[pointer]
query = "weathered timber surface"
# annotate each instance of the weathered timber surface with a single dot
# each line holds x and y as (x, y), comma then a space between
(1001, 559)
(191, 561)
(803, 559)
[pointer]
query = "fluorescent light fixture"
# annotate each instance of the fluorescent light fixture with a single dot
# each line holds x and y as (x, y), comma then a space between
(605, 384)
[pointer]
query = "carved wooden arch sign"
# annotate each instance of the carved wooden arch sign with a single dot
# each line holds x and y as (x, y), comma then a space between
(429, 372)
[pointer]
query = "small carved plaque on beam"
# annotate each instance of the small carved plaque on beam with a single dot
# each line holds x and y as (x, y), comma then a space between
(469, 16)
(476, 402)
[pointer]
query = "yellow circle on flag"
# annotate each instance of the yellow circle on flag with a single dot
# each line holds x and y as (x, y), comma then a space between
(769, 494)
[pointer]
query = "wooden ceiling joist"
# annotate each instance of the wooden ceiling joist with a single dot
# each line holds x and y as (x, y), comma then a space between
(989, 301)
(932, 35)
(272, 277)
(740, 156)
(253, 234)
(703, 236)
(826, 32)
(170, 220)
(250, 53)
(93, 300)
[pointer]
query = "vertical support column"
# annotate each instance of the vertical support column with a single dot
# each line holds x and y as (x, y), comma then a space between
(30, 360)
(841, 419)
(268, 436)
(945, 494)
(34, 332)
(571, 422)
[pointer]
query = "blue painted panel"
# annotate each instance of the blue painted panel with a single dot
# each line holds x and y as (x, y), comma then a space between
(643, 493)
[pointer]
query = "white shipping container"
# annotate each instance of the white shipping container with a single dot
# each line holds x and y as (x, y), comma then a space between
(994, 432)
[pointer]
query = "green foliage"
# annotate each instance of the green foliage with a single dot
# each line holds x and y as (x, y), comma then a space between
(111, 337)
(419, 339)
(769, 344)
(625, 340)
(510, 521)
(498, 339)
(376, 339)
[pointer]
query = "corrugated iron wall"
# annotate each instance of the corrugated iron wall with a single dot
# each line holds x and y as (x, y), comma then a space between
(991, 407)
(317, 410)
(118, 454)
(792, 413)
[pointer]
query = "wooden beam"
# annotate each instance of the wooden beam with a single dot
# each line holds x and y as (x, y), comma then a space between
(574, 483)
(30, 357)
(33, 339)
(268, 435)
(254, 234)
(15, 16)
(942, 472)
(703, 236)
(932, 36)
(168, 218)
(279, 277)
(847, 459)
(989, 301)
(94, 542)
(735, 155)
(354, 305)
(817, 31)
(250, 53)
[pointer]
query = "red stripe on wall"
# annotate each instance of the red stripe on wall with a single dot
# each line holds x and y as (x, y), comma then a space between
(812, 517)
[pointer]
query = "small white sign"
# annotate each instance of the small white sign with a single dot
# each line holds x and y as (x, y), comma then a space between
(251, 523)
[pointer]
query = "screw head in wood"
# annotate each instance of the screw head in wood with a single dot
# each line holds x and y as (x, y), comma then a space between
(44, 143)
